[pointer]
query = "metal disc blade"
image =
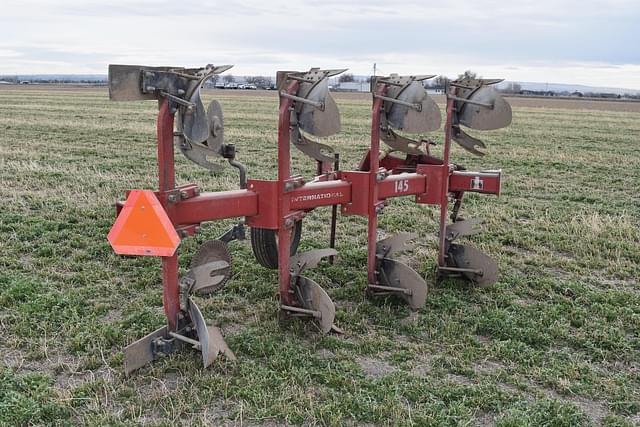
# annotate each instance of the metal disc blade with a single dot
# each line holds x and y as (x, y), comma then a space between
(199, 154)
(411, 120)
(315, 150)
(315, 298)
(194, 122)
(314, 120)
(396, 243)
(467, 227)
(484, 118)
(466, 141)
(214, 257)
(215, 120)
(485, 268)
(401, 143)
(208, 347)
(399, 275)
(139, 353)
(310, 259)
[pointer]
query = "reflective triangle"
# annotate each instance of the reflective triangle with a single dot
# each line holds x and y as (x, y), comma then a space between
(143, 227)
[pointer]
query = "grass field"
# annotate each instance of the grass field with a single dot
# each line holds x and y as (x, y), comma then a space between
(555, 342)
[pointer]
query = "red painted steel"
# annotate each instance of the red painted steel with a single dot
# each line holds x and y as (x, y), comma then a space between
(284, 173)
(444, 195)
(476, 182)
(322, 193)
(167, 182)
(211, 206)
(403, 184)
(434, 174)
(374, 203)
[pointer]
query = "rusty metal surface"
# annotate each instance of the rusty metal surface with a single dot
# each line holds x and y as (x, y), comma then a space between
(210, 267)
(139, 353)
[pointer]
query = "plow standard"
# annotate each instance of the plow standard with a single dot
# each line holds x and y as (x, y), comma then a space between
(152, 223)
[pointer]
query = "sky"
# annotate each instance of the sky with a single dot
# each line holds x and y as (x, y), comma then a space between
(589, 42)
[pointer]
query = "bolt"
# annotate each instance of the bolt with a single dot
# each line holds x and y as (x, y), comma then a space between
(196, 229)
(380, 176)
(288, 223)
(172, 198)
(184, 195)
(181, 92)
(183, 233)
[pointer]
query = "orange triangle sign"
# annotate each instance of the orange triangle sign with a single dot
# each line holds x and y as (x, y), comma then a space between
(143, 227)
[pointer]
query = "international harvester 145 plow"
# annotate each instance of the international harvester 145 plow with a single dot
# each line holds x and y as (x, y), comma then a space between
(152, 223)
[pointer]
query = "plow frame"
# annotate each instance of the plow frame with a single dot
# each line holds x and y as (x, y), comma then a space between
(278, 204)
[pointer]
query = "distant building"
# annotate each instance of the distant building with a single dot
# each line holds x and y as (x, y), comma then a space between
(352, 87)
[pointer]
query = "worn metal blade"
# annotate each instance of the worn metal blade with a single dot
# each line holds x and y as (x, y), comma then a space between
(125, 82)
(467, 227)
(210, 267)
(313, 297)
(401, 143)
(396, 274)
(396, 243)
(425, 119)
(215, 120)
(200, 154)
(310, 259)
(483, 269)
(315, 150)
(314, 120)
(485, 118)
(466, 141)
(194, 120)
(210, 338)
(139, 353)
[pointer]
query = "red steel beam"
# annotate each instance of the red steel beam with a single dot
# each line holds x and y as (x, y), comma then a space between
(216, 205)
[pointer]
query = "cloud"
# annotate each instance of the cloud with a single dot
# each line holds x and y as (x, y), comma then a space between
(547, 40)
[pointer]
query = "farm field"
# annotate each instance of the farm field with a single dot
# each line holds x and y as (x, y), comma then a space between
(555, 342)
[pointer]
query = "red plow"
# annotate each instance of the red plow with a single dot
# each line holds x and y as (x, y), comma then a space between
(153, 222)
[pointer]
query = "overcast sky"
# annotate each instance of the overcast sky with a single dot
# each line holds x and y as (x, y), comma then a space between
(563, 41)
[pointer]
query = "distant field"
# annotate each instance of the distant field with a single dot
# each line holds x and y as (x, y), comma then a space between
(555, 342)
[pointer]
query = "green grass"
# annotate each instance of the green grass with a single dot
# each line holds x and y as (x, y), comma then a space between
(555, 342)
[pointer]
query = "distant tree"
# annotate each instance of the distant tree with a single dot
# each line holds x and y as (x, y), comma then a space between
(228, 78)
(468, 75)
(260, 81)
(344, 78)
(440, 82)
(512, 88)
